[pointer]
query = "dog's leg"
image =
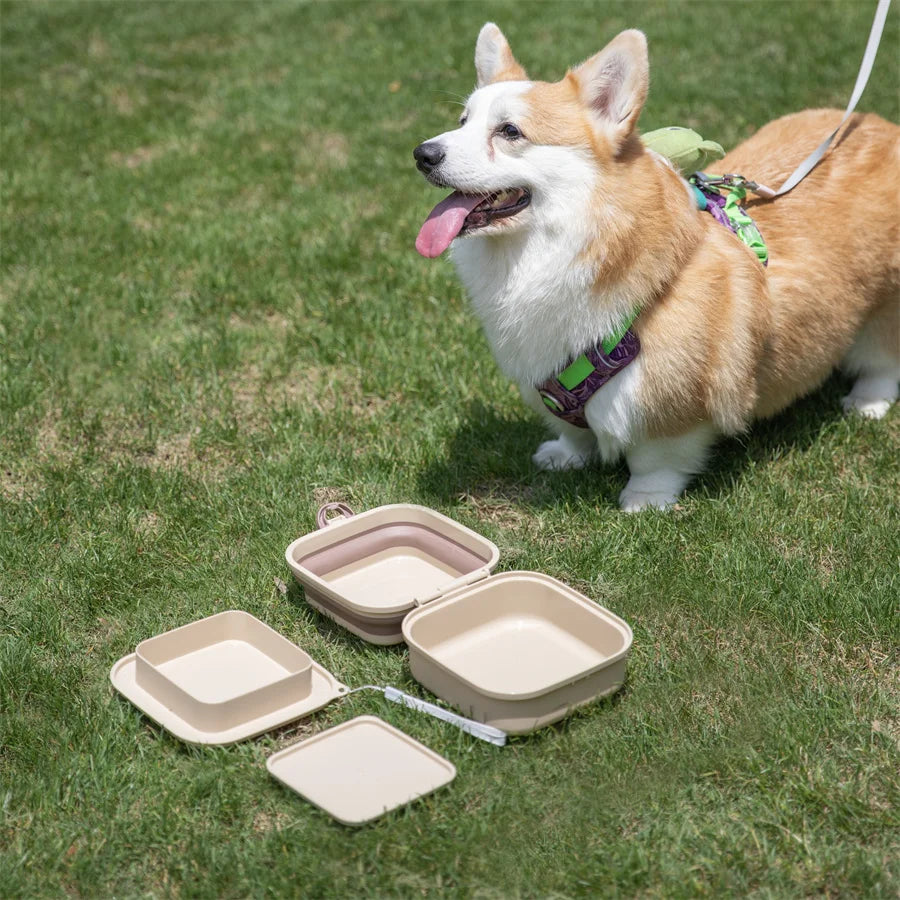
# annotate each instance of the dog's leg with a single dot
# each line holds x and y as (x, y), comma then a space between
(661, 468)
(875, 358)
(573, 449)
(873, 395)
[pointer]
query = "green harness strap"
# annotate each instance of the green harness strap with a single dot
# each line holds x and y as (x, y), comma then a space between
(581, 367)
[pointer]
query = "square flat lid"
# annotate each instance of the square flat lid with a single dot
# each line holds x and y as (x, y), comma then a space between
(360, 770)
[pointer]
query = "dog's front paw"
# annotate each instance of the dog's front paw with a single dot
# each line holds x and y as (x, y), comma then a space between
(558, 455)
(637, 501)
(659, 490)
(870, 409)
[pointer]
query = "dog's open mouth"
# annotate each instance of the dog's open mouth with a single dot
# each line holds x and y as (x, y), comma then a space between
(463, 213)
(499, 205)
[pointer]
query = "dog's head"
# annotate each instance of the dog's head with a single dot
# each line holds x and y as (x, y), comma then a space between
(525, 151)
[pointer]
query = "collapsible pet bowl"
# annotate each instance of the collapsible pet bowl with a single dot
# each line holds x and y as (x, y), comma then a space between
(223, 679)
(516, 651)
(230, 677)
(368, 571)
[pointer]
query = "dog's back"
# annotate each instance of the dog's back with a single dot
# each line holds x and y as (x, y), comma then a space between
(834, 243)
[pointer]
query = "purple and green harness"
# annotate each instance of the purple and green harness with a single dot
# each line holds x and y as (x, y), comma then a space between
(567, 393)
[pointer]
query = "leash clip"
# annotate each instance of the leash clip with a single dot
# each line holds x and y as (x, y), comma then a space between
(730, 180)
(733, 182)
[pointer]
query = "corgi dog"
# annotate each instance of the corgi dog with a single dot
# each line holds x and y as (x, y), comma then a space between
(564, 226)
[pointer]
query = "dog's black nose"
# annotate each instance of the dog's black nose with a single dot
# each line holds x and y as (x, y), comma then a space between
(428, 156)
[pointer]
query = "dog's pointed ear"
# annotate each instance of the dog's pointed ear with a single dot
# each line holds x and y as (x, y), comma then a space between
(614, 83)
(494, 60)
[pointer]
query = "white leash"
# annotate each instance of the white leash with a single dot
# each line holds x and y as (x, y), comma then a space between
(476, 729)
(861, 80)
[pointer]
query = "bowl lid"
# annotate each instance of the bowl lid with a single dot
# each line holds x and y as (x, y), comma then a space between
(360, 770)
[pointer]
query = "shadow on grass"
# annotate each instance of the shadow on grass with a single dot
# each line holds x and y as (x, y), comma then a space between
(798, 428)
(490, 455)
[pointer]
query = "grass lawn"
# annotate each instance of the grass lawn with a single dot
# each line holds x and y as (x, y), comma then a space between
(213, 320)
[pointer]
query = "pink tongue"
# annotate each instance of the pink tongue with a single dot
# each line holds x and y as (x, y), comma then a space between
(444, 223)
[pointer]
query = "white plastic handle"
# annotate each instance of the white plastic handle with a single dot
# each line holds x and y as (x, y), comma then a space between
(477, 729)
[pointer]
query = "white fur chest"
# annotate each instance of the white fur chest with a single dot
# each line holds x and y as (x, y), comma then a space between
(538, 311)
(534, 302)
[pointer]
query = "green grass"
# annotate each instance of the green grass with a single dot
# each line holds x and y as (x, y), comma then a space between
(213, 321)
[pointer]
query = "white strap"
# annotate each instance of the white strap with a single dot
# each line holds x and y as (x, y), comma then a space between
(861, 80)
(477, 729)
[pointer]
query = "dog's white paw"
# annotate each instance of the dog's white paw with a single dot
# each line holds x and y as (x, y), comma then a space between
(872, 396)
(870, 409)
(656, 490)
(637, 501)
(555, 456)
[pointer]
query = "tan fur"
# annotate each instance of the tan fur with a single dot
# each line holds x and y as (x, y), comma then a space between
(512, 71)
(635, 234)
(763, 341)
(556, 116)
(723, 339)
(835, 244)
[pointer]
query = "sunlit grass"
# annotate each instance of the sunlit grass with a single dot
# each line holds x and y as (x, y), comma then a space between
(213, 320)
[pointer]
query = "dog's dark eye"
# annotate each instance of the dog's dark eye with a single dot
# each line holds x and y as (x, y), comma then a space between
(463, 119)
(510, 132)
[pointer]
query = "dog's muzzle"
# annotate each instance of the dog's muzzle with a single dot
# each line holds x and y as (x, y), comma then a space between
(428, 156)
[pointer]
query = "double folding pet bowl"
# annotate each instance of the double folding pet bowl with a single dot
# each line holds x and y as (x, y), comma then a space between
(513, 652)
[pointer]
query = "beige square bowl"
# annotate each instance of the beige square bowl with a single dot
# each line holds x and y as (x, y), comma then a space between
(223, 679)
(369, 570)
(518, 650)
